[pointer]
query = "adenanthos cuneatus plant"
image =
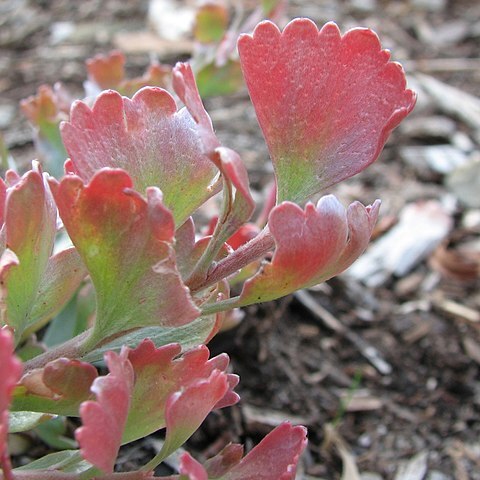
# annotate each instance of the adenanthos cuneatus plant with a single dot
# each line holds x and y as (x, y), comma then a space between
(137, 170)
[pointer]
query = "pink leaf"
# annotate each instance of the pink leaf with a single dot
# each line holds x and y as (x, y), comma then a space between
(238, 204)
(58, 388)
(193, 469)
(312, 245)
(108, 71)
(274, 458)
(148, 138)
(186, 409)
(103, 420)
(224, 461)
(3, 198)
(185, 87)
(126, 242)
(30, 224)
(326, 103)
(61, 278)
(10, 371)
(166, 382)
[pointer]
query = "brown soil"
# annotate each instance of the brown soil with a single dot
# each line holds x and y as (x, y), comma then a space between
(291, 362)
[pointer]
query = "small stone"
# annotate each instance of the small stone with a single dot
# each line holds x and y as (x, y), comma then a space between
(365, 440)
(436, 126)
(61, 31)
(436, 475)
(439, 158)
(370, 476)
(463, 142)
(7, 114)
(464, 182)
(364, 6)
(429, 5)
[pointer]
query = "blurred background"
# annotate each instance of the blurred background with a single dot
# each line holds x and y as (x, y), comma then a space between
(382, 363)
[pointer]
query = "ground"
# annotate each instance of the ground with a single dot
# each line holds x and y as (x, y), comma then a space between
(382, 367)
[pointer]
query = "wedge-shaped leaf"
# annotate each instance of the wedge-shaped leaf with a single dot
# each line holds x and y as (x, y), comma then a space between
(126, 243)
(190, 469)
(326, 103)
(224, 461)
(211, 22)
(238, 204)
(312, 245)
(35, 285)
(45, 111)
(104, 419)
(274, 458)
(30, 223)
(187, 409)
(188, 336)
(23, 421)
(148, 138)
(62, 276)
(58, 388)
(108, 71)
(68, 461)
(168, 386)
(3, 198)
(10, 371)
(224, 79)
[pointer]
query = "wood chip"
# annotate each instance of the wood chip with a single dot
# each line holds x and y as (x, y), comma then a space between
(464, 182)
(349, 466)
(457, 310)
(413, 469)
(439, 158)
(397, 252)
(367, 350)
(472, 348)
(270, 418)
(147, 42)
(451, 100)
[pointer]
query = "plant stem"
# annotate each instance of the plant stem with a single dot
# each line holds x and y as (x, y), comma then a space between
(243, 256)
(219, 306)
(73, 348)
(57, 475)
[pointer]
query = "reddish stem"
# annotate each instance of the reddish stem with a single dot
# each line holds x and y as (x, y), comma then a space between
(256, 248)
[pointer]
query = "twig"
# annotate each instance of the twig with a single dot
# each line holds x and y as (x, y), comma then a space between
(367, 350)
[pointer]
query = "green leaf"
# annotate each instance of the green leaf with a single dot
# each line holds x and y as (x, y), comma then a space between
(53, 433)
(126, 242)
(23, 421)
(188, 336)
(73, 319)
(219, 79)
(68, 461)
(211, 23)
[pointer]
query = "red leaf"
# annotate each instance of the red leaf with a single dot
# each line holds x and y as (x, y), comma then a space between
(326, 103)
(186, 409)
(221, 463)
(126, 243)
(103, 420)
(238, 204)
(161, 375)
(108, 71)
(30, 225)
(189, 466)
(137, 136)
(312, 245)
(10, 371)
(274, 458)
